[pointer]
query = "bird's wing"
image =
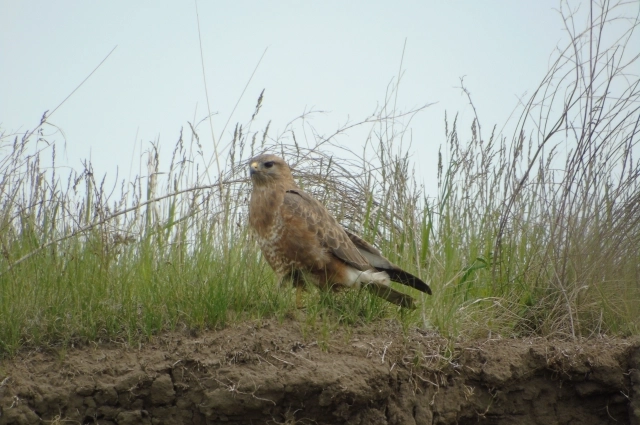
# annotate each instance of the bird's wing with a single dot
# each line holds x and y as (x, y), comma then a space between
(377, 260)
(326, 228)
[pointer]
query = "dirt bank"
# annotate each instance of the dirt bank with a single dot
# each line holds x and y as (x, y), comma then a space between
(270, 373)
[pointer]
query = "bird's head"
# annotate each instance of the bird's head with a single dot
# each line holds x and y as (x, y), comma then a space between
(267, 169)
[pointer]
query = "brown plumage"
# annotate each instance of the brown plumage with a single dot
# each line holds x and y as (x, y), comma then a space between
(301, 240)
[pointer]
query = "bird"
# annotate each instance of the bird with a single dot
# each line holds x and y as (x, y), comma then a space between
(303, 242)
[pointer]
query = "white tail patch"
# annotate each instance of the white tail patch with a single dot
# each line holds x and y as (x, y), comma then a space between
(357, 278)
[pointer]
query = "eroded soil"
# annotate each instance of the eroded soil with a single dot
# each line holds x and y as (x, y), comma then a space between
(271, 373)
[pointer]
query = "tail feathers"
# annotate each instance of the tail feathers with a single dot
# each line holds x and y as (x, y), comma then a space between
(400, 276)
(385, 292)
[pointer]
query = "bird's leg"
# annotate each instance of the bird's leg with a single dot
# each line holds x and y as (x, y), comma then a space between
(282, 281)
(299, 303)
(298, 281)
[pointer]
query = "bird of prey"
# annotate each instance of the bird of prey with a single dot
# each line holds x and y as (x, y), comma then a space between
(303, 242)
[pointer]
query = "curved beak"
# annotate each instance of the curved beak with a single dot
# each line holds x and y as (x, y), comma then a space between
(253, 168)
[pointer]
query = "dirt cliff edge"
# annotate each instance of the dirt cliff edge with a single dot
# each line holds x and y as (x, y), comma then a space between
(270, 373)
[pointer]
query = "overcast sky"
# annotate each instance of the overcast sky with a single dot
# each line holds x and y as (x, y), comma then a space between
(335, 56)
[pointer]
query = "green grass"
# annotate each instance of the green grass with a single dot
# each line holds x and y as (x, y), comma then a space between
(538, 234)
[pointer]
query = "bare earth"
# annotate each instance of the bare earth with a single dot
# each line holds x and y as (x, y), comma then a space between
(271, 373)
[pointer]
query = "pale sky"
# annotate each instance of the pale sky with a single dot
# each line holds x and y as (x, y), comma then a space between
(335, 56)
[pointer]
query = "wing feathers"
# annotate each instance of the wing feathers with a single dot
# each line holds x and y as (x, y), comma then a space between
(348, 247)
(327, 229)
(395, 273)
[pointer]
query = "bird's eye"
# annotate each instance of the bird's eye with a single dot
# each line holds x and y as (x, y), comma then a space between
(268, 164)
